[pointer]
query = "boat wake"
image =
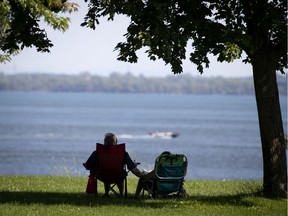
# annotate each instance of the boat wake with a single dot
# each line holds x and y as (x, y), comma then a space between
(130, 136)
(154, 135)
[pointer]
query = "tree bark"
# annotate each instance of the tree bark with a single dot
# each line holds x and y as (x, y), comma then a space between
(271, 126)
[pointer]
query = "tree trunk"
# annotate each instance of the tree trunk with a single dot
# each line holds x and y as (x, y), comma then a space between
(271, 126)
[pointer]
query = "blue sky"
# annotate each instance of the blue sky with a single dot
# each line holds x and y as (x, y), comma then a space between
(81, 49)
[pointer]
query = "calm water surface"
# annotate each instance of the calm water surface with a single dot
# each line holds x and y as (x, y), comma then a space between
(54, 133)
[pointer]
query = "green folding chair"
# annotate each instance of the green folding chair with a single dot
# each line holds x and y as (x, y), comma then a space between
(170, 170)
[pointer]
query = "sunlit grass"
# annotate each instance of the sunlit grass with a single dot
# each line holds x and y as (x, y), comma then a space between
(55, 195)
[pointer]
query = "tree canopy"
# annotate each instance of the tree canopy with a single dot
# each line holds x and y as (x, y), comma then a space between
(20, 25)
(224, 28)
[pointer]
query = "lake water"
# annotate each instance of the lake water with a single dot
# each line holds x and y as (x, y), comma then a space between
(54, 133)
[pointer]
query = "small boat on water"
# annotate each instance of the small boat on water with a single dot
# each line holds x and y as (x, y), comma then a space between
(157, 134)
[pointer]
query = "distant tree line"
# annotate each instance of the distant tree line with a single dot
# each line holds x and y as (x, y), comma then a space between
(128, 83)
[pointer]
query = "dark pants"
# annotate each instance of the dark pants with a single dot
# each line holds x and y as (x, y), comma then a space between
(142, 181)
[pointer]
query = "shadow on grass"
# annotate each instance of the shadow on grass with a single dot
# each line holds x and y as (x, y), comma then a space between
(82, 199)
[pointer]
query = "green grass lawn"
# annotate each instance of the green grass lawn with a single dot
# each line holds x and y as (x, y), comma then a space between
(55, 195)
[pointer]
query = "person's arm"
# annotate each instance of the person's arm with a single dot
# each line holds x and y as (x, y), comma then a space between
(132, 166)
(137, 172)
(91, 161)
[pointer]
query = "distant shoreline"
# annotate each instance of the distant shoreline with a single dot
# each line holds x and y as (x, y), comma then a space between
(128, 83)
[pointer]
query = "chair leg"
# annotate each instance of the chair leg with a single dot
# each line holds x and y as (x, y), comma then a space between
(143, 193)
(96, 187)
(106, 189)
(120, 186)
(125, 187)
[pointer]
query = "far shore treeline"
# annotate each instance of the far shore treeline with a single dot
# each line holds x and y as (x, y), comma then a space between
(128, 83)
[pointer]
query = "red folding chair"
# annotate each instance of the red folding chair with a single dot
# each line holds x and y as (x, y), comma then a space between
(110, 166)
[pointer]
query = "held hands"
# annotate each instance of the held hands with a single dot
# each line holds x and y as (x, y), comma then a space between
(143, 173)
